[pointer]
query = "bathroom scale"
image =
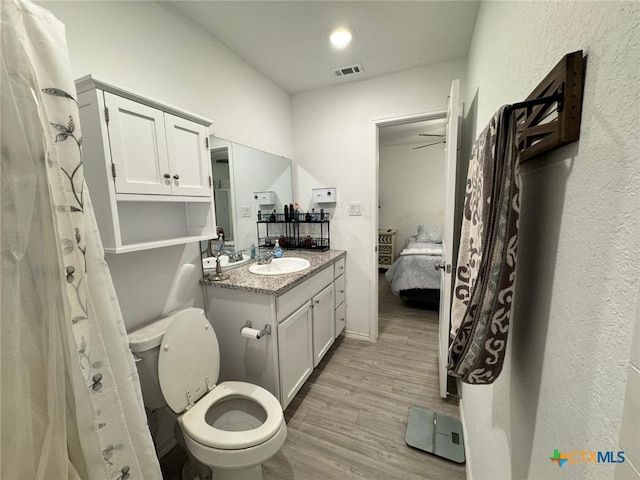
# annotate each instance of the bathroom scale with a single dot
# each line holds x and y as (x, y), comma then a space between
(434, 433)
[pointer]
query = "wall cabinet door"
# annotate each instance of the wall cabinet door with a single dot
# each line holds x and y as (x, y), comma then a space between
(295, 352)
(323, 323)
(138, 147)
(188, 157)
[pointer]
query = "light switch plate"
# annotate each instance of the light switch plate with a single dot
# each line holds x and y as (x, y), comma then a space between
(355, 208)
(246, 211)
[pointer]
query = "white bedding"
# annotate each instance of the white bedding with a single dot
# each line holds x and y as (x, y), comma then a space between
(415, 269)
(423, 249)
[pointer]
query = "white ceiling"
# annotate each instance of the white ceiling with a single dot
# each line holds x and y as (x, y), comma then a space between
(287, 40)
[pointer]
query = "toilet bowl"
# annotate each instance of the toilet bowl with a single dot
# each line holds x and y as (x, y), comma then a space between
(232, 427)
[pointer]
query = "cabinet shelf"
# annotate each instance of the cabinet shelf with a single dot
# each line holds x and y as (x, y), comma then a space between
(137, 247)
(134, 197)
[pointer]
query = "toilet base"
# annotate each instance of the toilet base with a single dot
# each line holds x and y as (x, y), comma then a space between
(253, 473)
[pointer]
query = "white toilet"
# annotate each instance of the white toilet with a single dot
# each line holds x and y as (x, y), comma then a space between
(232, 427)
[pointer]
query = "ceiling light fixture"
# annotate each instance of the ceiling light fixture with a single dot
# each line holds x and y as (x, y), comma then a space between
(340, 37)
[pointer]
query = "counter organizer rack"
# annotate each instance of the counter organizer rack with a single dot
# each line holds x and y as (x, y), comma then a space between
(304, 231)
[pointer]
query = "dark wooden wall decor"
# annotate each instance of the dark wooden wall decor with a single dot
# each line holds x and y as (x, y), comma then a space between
(550, 116)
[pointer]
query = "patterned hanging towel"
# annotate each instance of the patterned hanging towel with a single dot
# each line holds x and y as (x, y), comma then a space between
(486, 273)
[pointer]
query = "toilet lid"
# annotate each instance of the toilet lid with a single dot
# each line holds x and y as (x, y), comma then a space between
(189, 359)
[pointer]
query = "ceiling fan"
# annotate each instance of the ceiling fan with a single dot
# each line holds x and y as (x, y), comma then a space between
(443, 139)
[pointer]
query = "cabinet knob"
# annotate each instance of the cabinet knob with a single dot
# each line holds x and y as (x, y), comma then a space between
(166, 175)
(317, 302)
(341, 291)
(176, 177)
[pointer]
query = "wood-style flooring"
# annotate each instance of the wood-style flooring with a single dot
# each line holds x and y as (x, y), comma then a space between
(349, 419)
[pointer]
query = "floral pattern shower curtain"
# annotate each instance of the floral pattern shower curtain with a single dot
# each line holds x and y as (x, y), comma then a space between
(70, 400)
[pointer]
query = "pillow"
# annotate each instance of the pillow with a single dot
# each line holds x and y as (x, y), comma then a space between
(430, 234)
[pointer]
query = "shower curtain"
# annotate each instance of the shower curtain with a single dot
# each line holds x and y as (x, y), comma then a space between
(70, 401)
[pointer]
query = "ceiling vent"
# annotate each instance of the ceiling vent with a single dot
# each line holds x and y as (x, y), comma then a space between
(348, 70)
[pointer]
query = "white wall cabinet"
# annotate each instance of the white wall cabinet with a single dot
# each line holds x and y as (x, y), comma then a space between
(295, 351)
(147, 167)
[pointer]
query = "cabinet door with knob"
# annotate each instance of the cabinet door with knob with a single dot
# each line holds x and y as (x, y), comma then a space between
(188, 157)
(154, 152)
(139, 158)
(295, 353)
(323, 323)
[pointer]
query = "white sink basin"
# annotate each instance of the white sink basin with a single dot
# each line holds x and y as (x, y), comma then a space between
(210, 262)
(280, 266)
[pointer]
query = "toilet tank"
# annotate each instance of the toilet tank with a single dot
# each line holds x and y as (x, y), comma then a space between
(144, 342)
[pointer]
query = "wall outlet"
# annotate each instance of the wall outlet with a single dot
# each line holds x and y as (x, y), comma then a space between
(246, 211)
(355, 208)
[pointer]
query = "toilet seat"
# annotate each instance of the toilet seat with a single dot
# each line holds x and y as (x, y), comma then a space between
(195, 426)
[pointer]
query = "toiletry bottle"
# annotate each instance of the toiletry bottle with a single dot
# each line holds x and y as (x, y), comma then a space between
(322, 214)
(292, 215)
(286, 213)
(273, 215)
(277, 251)
(282, 241)
(307, 217)
(253, 250)
(314, 217)
(259, 216)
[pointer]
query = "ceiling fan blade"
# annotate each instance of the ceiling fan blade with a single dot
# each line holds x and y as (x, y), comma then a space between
(428, 145)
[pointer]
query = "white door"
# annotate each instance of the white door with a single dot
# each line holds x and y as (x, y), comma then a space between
(452, 146)
(138, 147)
(295, 351)
(323, 323)
(189, 162)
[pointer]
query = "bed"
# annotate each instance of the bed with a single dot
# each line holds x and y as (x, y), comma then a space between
(413, 276)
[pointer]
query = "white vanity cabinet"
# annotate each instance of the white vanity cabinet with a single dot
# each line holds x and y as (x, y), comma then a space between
(339, 285)
(147, 167)
(315, 296)
(302, 321)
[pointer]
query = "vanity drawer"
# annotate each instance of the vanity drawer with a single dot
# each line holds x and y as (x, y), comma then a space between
(339, 290)
(338, 268)
(290, 301)
(341, 318)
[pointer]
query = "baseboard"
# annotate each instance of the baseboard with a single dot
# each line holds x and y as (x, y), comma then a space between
(357, 336)
(467, 456)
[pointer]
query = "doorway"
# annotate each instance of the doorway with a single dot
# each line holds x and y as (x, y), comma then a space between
(410, 179)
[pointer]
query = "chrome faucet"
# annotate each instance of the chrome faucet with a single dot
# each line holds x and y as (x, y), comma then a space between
(234, 256)
(265, 258)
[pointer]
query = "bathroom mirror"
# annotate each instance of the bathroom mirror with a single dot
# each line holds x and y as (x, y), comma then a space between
(238, 171)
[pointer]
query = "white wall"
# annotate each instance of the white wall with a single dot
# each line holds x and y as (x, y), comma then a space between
(563, 385)
(334, 147)
(411, 189)
(146, 48)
